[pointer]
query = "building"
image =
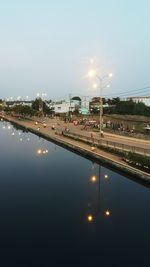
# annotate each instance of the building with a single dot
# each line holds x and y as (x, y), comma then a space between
(85, 106)
(62, 107)
(75, 103)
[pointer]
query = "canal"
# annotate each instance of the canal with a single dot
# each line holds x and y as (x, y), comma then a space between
(60, 209)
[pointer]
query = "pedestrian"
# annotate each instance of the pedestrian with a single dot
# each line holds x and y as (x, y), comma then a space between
(92, 138)
(102, 134)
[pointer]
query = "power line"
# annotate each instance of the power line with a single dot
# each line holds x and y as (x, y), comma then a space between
(137, 91)
(130, 94)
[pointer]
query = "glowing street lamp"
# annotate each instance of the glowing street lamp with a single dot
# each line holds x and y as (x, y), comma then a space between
(42, 95)
(102, 80)
(92, 73)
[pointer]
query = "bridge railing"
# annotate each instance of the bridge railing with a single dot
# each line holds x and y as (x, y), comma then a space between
(109, 144)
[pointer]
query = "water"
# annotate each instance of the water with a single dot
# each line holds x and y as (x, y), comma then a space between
(47, 200)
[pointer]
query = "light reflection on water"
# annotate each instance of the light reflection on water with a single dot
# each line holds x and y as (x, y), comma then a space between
(57, 207)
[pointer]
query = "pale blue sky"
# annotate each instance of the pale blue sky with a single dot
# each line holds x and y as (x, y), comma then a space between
(45, 45)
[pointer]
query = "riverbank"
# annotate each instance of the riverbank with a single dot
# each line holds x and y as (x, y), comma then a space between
(98, 155)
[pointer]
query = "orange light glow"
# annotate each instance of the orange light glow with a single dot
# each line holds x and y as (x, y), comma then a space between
(93, 178)
(39, 151)
(90, 218)
(107, 213)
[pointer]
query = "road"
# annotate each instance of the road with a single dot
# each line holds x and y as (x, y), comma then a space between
(122, 140)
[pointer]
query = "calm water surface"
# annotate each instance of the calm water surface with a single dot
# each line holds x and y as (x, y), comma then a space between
(48, 199)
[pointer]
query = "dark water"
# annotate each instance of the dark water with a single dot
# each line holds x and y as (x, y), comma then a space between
(45, 201)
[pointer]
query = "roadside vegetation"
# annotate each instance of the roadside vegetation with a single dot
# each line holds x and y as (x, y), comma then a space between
(128, 107)
(136, 160)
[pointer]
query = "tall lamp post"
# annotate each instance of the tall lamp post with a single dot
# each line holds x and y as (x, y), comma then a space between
(101, 84)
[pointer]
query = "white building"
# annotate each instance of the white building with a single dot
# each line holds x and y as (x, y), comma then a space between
(62, 107)
(65, 106)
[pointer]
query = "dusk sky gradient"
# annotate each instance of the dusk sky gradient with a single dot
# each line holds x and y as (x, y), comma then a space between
(45, 46)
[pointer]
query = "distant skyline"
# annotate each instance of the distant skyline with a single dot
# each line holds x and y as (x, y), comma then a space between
(45, 46)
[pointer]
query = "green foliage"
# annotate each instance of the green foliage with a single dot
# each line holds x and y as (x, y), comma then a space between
(140, 159)
(1, 105)
(7, 109)
(35, 104)
(127, 107)
(40, 105)
(76, 98)
(46, 109)
(22, 110)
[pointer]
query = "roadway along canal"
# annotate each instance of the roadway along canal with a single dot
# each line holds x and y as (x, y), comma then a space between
(60, 209)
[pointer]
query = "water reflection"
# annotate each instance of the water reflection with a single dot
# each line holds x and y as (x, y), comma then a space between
(42, 151)
(23, 136)
(61, 204)
(95, 208)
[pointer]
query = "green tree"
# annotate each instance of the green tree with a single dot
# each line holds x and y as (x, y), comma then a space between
(35, 104)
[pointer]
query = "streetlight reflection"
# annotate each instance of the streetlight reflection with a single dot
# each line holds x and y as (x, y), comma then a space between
(97, 206)
(90, 218)
(107, 212)
(42, 151)
(93, 178)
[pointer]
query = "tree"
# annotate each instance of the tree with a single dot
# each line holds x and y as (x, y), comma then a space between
(23, 110)
(77, 98)
(128, 107)
(1, 105)
(35, 104)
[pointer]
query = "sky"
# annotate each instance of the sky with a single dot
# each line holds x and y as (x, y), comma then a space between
(45, 46)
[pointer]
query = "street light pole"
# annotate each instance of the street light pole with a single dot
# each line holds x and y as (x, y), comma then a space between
(100, 108)
(69, 106)
(101, 85)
